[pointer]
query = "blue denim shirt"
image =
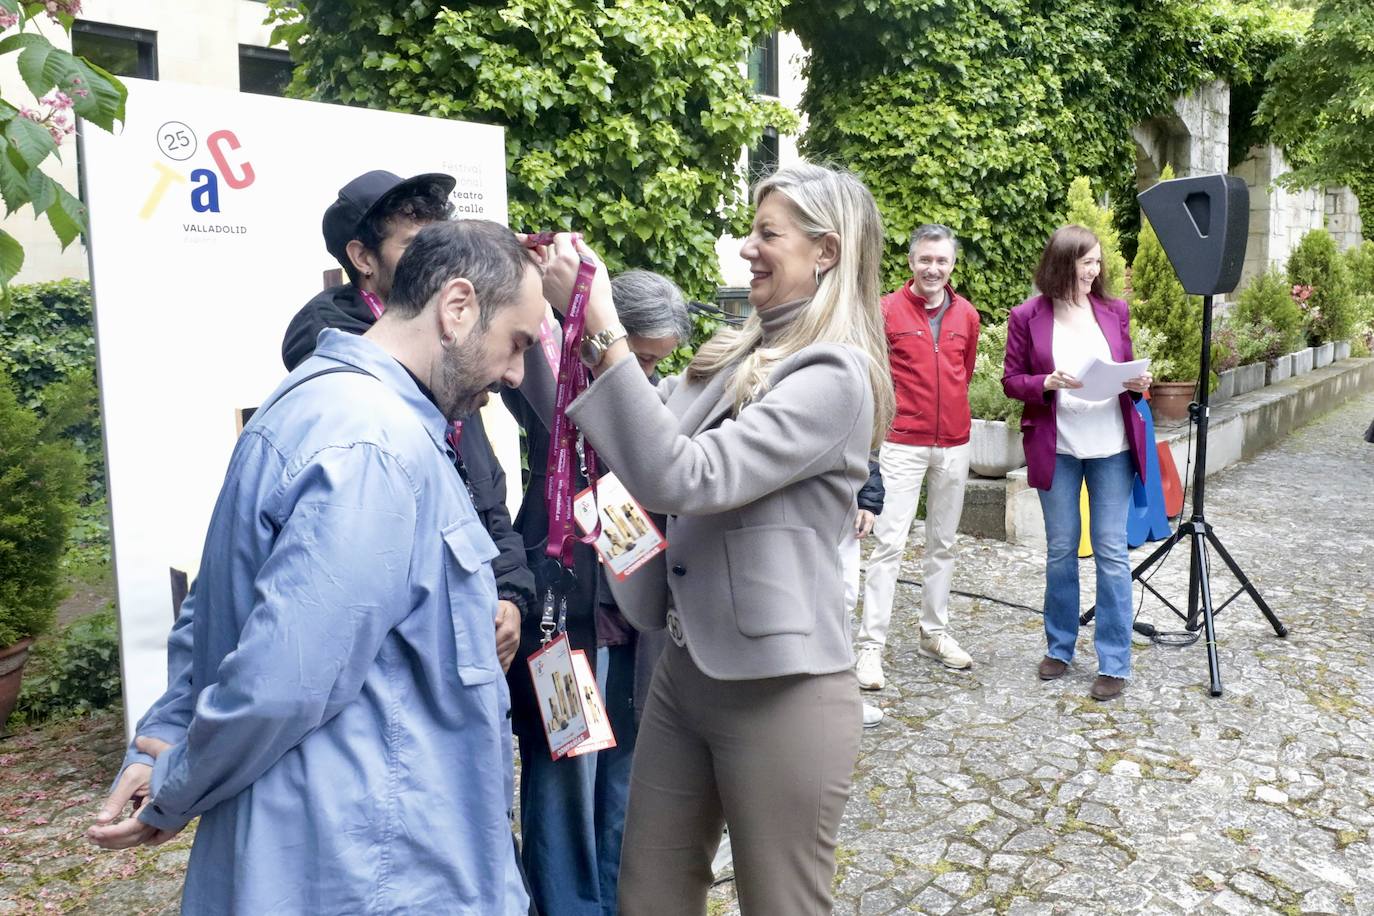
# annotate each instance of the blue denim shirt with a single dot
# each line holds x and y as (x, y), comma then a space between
(337, 712)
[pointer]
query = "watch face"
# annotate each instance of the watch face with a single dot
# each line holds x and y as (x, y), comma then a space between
(590, 351)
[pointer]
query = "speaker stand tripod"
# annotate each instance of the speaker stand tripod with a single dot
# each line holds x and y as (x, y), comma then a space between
(1199, 533)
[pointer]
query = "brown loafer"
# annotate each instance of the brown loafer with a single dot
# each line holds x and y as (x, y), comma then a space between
(1106, 687)
(1051, 668)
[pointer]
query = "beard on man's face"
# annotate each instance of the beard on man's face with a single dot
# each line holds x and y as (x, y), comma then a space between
(462, 390)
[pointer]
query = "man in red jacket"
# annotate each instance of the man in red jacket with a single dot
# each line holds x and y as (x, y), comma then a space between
(932, 338)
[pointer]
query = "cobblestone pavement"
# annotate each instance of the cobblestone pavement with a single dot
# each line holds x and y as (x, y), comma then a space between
(989, 791)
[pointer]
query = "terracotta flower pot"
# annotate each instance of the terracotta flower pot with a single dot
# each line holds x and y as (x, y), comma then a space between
(12, 659)
(1169, 400)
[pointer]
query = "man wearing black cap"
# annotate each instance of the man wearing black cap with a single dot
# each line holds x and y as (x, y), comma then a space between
(367, 229)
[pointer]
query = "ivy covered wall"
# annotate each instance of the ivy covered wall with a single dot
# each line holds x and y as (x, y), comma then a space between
(979, 113)
(624, 120)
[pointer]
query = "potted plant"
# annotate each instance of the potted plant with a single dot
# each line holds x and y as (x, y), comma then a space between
(1325, 290)
(995, 439)
(40, 476)
(1268, 316)
(1225, 359)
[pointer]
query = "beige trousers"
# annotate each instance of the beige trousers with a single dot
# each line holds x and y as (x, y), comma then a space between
(772, 758)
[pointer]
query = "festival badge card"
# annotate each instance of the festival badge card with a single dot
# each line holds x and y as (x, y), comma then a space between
(559, 697)
(601, 737)
(628, 537)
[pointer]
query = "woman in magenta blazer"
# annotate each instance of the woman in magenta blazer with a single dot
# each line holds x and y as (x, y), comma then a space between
(1070, 440)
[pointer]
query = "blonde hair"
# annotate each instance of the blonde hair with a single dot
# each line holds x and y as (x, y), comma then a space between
(846, 307)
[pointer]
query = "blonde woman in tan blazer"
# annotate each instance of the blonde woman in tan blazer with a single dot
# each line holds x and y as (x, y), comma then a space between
(755, 455)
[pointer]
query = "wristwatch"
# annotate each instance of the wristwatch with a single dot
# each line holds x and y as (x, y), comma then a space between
(594, 346)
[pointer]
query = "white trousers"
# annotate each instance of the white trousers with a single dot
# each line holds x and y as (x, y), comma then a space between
(904, 467)
(850, 557)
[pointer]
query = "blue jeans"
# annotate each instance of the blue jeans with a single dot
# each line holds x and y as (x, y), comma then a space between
(1109, 495)
(572, 811)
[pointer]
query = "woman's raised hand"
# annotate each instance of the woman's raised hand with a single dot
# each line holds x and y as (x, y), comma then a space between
(559, 262)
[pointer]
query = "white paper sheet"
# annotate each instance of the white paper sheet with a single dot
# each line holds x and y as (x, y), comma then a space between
(1103, 379)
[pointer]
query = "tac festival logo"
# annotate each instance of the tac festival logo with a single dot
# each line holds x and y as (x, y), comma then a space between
(198, 178)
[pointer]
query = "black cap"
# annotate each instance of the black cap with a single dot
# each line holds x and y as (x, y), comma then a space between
(365, 195)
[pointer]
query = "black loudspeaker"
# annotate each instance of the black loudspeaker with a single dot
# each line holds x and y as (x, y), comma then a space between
(1203, 224)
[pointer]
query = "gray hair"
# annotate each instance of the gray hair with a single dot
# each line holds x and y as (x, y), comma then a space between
(651, 305)
(485, 253)
(932, 232)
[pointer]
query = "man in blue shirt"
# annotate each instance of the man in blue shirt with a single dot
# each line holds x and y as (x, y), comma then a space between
(336, 713)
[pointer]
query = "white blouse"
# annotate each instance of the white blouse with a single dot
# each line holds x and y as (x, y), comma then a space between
(1085, 429)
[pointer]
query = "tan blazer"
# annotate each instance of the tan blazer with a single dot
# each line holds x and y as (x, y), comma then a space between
(757, 506)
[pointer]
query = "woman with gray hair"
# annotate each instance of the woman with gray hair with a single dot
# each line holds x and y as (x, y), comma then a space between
(653, 312)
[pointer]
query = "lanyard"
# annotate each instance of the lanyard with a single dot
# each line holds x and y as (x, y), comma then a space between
(572, 381)
(376, 306)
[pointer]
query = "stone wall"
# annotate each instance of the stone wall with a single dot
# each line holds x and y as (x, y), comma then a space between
(1279, 218)
(1343, 217)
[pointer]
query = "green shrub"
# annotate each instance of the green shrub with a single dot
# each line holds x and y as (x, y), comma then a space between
(1362, 337)
(1318, 265)
(1360, 261)
(1267, 302)
(986, 399)
(1225, 347)
(74, 674)
(1159, 302)
(47, 347)
(40, 477)
(1101, 220)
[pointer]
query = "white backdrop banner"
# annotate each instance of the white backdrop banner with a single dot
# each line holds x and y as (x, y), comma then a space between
(205, 240)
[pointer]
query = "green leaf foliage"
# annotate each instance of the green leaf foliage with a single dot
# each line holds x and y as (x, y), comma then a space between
(986, 399)
(1101, 220)
(47, 350)
(1319, 103)
(32, 128)
(624, 120)
(1328, 314)
(1360, 261)
(1265, 311)
(74, 674)
(977, 114)
(39, 480)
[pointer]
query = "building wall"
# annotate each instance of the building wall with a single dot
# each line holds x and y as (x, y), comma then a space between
(1279, 218)
(197, 42)
(791, 58)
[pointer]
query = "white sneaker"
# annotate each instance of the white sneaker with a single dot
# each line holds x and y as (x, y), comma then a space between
(870, 668)
(872, 716)
(944, 649)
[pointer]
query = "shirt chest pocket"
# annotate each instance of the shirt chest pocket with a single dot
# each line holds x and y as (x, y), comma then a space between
(468, 552)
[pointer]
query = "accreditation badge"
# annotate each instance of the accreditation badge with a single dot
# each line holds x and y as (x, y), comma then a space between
(628, 537)
(602, 736)
(559, 696)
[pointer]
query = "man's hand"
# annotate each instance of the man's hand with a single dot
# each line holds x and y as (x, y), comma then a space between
(507, 632)
(863, 523)
(132, 787)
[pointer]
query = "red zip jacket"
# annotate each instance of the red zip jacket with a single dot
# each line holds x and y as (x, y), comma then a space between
(930, 377)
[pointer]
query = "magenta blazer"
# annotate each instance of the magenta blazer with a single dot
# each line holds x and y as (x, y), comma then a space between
(1030, 358)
